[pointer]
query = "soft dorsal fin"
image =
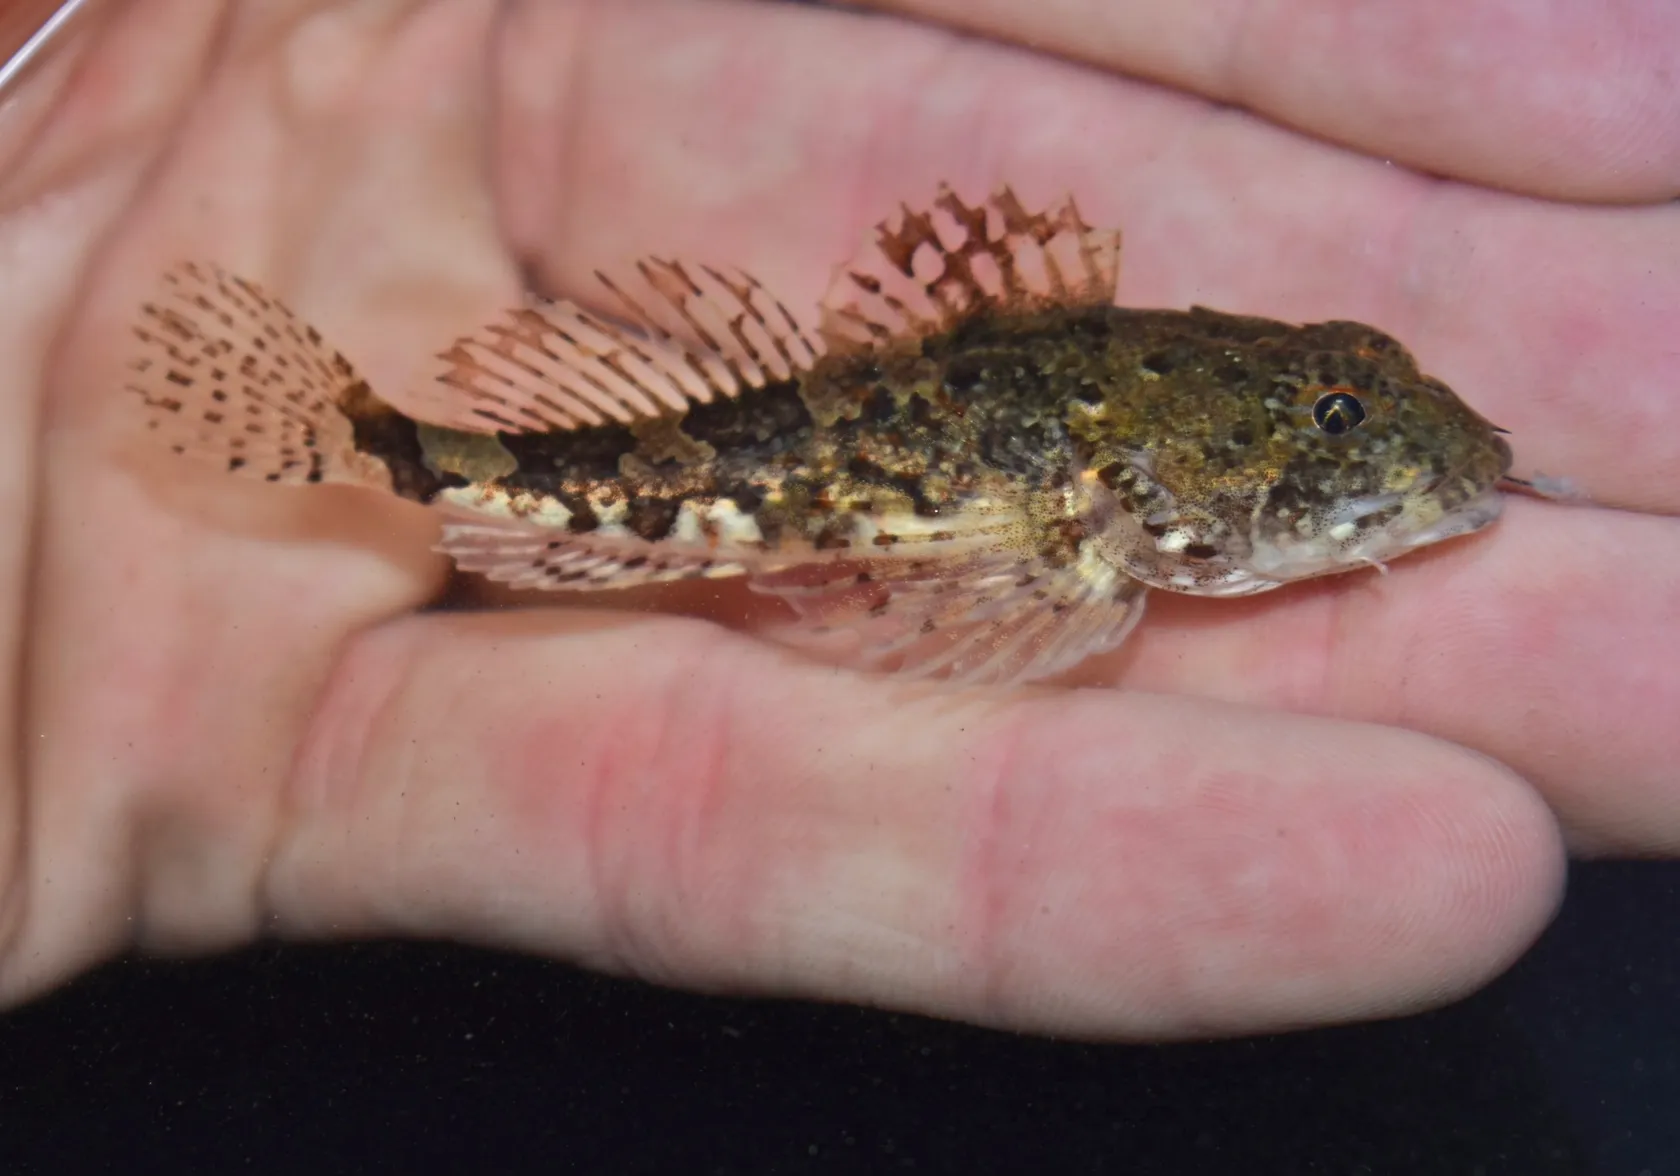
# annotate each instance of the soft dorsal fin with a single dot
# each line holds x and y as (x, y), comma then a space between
(924, 273)
(688, 334)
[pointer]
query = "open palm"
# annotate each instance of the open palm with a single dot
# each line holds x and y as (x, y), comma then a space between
(230, 721)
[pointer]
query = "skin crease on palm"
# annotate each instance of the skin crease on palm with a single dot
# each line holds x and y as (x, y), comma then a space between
(1340, 800)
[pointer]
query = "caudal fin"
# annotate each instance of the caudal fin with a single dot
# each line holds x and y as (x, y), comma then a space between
(230, 376)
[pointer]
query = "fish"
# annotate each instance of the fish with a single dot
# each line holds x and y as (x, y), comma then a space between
(975, 466)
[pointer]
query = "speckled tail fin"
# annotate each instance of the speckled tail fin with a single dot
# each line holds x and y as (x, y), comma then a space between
(230, 376)
(929, 268)
(681, 334)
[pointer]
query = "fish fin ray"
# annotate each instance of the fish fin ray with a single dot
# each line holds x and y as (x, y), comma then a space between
(524, 554)
(938, 265)
(988, 618)
(230, 376)
(682, 334)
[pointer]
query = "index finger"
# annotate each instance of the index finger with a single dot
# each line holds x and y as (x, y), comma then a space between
(1569, 101)
(725, 816)
(1536, 642)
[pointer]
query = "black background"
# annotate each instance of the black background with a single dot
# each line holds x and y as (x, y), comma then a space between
(431, 1058)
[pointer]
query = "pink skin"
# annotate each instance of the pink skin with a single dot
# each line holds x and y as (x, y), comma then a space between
(1412, 82)
(1346, 799)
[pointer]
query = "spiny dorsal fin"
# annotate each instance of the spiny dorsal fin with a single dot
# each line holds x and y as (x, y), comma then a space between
(688, 334)
(934, 266)
(231, 376)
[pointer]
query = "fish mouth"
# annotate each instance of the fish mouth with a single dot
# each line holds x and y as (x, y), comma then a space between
(1325, 554)
(1473, 512)
(1469, 516)
(1369, 530)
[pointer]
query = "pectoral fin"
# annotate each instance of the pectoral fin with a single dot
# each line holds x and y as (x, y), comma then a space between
(992, 618)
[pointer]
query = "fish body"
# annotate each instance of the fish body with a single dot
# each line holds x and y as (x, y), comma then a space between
(978, 465)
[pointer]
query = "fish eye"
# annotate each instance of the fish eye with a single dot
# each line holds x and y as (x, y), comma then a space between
(1338, 412)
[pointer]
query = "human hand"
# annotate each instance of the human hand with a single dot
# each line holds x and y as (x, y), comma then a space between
(229, 721)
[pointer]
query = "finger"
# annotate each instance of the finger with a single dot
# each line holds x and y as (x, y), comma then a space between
(333, 157)
(1564, 100)
(1561, 324)
(41, 42)
(180, 626)
(1549, 641)
(747, 134)
(25, 29)
(719, 815)
(19, 22)
(57, 200)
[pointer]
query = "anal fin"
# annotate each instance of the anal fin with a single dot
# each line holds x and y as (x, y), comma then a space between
(533, 553)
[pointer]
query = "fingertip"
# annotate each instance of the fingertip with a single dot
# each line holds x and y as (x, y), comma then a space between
(1489, 879)
(1260, 872)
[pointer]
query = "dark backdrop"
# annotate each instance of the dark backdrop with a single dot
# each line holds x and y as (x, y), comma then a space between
(425, 1058)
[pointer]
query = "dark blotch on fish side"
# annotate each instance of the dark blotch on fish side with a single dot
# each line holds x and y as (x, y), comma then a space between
(757, 418)
(547, 461)
(395, 440)
(872, 474)
(652, 518)
(963, 374)
(1159, 363)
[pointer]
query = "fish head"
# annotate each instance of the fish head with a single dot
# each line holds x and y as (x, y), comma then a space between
(1315, 462)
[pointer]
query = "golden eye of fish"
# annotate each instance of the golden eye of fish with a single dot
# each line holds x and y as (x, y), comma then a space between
(1338, 412)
